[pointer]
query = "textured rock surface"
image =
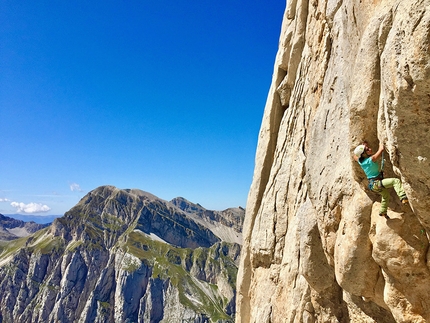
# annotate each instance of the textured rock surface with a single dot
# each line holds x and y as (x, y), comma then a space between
(121, 256)
(315, 249)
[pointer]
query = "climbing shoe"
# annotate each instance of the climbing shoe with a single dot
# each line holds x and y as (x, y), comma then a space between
(405, 200)
(384, 215)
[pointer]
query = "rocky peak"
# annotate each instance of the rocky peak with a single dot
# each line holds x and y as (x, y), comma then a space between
(231, 217)
(187, 206)
(107, 212)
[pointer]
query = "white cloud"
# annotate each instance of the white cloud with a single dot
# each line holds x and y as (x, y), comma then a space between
(75, 187)
(30, 207)
(4, 200)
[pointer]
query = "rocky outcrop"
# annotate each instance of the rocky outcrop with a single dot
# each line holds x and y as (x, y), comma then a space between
(315, 249)
(226, 224)
(120, 256)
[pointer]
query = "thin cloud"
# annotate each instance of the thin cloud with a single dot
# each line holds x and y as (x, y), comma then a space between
(30, 207)
(4, 200)
(75, 187)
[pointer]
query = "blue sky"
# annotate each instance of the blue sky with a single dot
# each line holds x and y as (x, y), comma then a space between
(163, 96)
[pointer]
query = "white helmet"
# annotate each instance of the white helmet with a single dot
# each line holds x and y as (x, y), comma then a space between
(359, 150)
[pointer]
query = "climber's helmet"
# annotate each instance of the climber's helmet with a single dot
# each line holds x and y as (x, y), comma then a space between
(359, 150)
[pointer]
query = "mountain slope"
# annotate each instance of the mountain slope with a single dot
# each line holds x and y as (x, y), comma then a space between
(225, 224)
(119, 256)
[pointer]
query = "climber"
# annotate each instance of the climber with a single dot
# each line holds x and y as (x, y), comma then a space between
(377, 183)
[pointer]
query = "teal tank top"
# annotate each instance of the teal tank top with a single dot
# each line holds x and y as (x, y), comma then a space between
(371, 169)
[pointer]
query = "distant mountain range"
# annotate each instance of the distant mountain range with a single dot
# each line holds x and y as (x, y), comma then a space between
(125, 256)
(11, 228)
(41, 219)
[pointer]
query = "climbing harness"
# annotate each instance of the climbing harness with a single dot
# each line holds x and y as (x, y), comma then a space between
(375, 184)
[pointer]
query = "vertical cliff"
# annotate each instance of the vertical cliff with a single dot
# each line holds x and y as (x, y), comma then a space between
(315, 249)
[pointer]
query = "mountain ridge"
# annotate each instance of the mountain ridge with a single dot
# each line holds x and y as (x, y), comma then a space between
(86, 266)
(11, 228)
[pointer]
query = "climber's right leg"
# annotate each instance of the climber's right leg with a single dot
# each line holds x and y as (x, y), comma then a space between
(397, 185)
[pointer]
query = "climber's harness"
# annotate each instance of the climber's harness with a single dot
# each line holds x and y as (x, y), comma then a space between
(375, 183)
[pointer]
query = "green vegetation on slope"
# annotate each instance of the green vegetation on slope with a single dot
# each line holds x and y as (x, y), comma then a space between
(175, 264)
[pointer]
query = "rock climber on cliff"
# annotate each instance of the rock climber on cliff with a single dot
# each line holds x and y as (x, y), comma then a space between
(377, 183)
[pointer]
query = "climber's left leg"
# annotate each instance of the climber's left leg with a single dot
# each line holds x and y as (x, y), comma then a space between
(385, 198)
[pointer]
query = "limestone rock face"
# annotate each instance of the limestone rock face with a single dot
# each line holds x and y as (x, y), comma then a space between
(315, 248)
